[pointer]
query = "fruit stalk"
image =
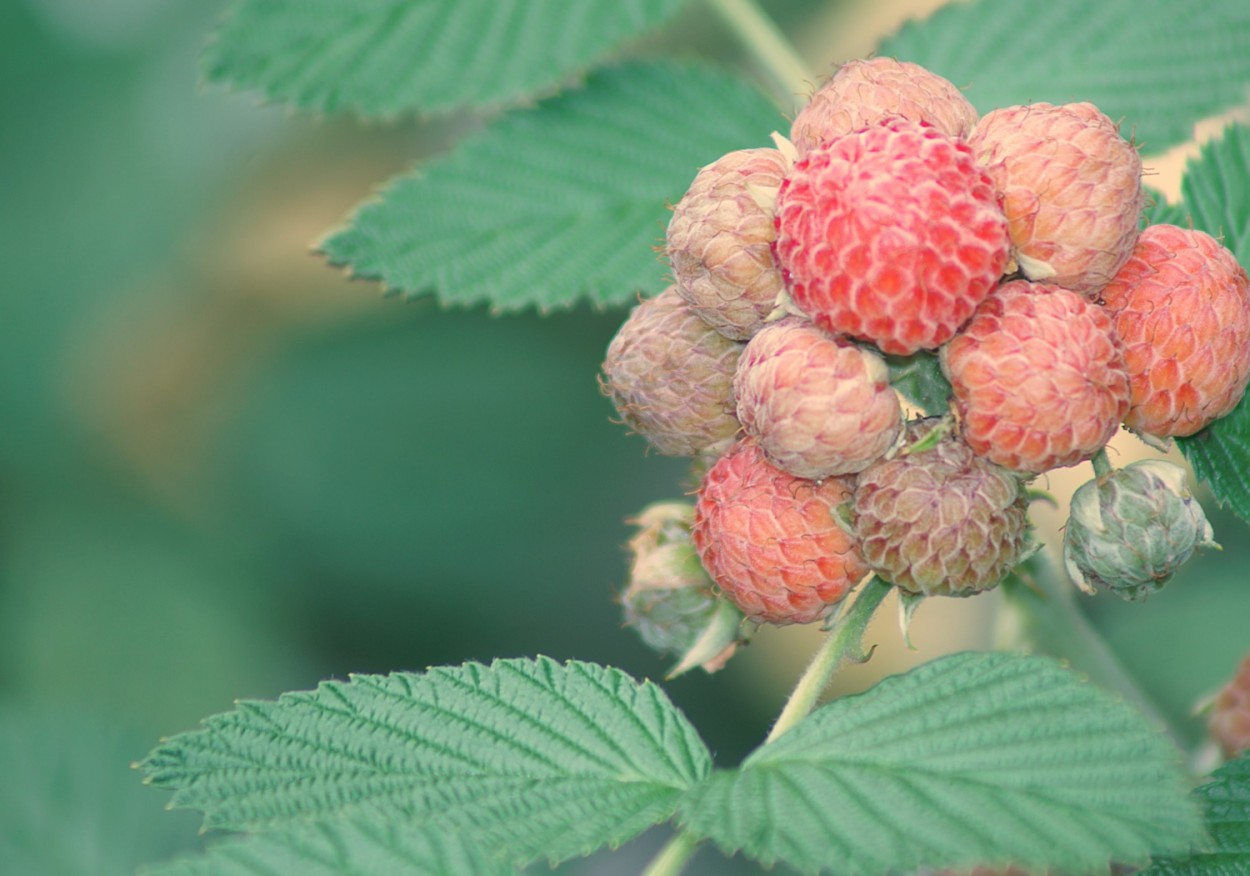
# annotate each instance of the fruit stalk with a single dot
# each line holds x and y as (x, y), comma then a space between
(844, 641)
(789, 77)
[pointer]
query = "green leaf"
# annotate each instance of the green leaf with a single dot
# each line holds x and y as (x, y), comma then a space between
(558, 202)
(1225, 802)
(344, 847)
(969, 759)
(386, 56)
(920, 379)
(1216, 194)
(533, 757)
(1153, 67)
(1159, 211)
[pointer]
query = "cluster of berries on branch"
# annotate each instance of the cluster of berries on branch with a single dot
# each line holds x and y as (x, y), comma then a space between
(894, 230)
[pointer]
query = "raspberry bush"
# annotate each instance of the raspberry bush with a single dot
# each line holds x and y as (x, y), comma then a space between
(892, 311)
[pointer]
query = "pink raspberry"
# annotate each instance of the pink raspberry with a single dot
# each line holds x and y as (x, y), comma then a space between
(1181, 305)
(1071, 188)
(940, 521)
(1229, 719)
(770, 540)
(891, 234)
(818, 406)
(671, 377)
(1038, 377)
(720, 241)
(863, 93)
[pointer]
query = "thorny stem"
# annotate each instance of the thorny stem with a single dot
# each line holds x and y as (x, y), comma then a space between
(790, 79)
(844, 640)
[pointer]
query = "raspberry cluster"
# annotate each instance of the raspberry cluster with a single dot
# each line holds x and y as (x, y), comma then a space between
(896, 226)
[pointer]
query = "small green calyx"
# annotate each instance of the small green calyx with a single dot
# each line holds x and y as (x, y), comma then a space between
(1129, 530)
(671, 600)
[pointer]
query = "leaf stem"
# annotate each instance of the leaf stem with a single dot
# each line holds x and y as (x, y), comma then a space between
(844, 640)
(1102, 465)
(672, 858)
(789, 77)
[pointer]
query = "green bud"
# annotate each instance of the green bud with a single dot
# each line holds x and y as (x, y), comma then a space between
(671, 600)
(1130, 529)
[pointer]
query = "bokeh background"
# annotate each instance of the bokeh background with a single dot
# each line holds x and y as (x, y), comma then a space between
(227, 471)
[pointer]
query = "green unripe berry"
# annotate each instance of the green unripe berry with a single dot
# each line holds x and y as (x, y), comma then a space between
(1130, 529)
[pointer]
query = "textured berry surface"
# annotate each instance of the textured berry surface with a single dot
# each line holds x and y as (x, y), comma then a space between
(1038, 377)
(1181, 306)
(941, 521)
(1131, 529)
(671, 377)
(770, 540)
(1071, 188)
(1229, 719)
(863, 93)
(891, 234)
(720, 241)
(817, 405)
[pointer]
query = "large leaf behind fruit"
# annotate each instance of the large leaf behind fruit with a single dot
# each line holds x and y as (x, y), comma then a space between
(562, 201)
(380, 57)
(535, 757)
(1155, 66)
(973, 758)
(1215, 192)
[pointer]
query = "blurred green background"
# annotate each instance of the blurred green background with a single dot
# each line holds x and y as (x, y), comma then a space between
(226, 472)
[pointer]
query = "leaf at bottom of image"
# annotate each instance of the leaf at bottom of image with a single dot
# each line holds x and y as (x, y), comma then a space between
(970, 759)
(529, 758)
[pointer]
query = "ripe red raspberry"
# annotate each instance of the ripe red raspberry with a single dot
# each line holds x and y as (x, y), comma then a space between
(1038, 377)
(671, 377)
(891, 234)
(720, 241)
(1071, 188)
(1181, 306)
(941, 521)
(819, 406)
(1229, 719)
(770, 540)
(863, 93)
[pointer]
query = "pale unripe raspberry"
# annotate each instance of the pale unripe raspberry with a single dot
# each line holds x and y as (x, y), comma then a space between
(1181, 306)
(720, 241)
(940, 521)
(1131, 529)
(670, 600)
(891, 234)
(818, 406)
(1071, 188)
(865, 92)
(1229, 719)
(1038, 377)
(771, 540)
(671, 377)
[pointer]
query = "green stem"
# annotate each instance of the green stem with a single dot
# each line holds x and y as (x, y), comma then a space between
(788, 75)
(844, 640)
(1046, 618)
(1102, 465)
(670, 860)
